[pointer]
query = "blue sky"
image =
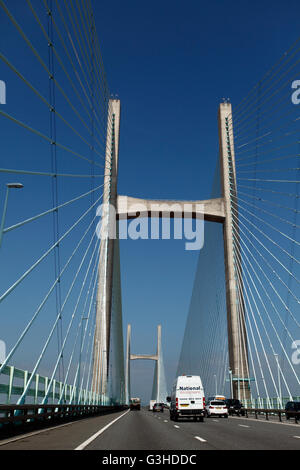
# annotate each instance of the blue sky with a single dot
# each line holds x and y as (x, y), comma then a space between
(170, 63)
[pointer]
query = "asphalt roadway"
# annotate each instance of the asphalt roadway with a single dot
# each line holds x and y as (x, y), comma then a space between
(145, 430)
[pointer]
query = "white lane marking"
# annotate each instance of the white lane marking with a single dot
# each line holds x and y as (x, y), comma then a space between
(175, 426)
(165, 421)
(244, 426)
(200, 439)
(296, 437)
(216, 420)
(94, 436)
(264, 421)
(30, 434)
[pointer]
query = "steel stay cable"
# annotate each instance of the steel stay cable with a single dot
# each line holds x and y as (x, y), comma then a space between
(275, 330)
(273, 256)
(50, 44)
(26, 273)
(78, 329)
(258, 84)
(269, 225)
(38, 216)
(252, 335)
(2, 4)
(258, 331)
(36, 313)
(260, 162)
(288, 222)
(26, 388)
(268, 280)
(49, 12)
(267, 201)
(41, 173)
(45, 137)
(86, 325)
(100, 133)
(82, 54)
(82, 347)
(282, 193)
(72, 317)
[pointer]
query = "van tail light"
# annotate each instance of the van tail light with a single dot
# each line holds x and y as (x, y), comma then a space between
(203, 402)
(211, 407)
(176, 403)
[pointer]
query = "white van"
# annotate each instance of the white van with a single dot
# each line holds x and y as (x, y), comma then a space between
(187, 398)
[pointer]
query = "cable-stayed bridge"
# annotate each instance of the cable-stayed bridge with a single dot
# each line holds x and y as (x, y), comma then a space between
(62, 219)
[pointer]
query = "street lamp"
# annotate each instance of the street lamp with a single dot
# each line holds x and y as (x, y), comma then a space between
(8, 187)
(279, 382)
(231, 385)
(216, 384)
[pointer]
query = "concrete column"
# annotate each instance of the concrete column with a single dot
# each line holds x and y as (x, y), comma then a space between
(106, 258)
(237, 340)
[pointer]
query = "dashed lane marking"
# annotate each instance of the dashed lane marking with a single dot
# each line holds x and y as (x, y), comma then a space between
(200, 439)
(244, 426)
(175, 426)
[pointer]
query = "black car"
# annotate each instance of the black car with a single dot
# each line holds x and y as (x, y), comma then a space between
(158, 407)
(235, 407)
(291, 409)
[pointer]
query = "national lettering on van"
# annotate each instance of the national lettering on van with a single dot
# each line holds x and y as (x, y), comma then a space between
(189, 388)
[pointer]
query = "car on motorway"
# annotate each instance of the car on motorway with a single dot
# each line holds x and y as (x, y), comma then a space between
(291, 409)
(235, 407)
(158, 407)
(216, 408)
(187, 399)
(135, 403)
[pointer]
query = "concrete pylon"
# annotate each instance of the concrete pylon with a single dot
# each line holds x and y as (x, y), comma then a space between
(160, 393)
(106, 258)
(237, 338)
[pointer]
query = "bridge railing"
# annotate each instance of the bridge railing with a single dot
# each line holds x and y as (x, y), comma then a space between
(11, 415)
(267, 412)
(267, 403)
(13, 383)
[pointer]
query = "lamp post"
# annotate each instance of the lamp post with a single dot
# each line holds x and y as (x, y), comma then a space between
(231, 385)
(279, 382)
(79, 366)
(216, 384)
(8, 187)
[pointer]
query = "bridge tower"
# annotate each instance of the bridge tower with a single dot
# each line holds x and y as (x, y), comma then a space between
(221, 210)
(237, 338)
(159, 392)
(108, 253)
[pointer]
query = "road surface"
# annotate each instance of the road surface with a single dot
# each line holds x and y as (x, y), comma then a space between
(145, 430)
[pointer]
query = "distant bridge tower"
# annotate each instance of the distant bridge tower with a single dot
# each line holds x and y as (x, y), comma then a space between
(159, 392)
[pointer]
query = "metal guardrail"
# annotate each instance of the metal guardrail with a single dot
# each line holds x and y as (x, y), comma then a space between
(270, 411)
(11, 415)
